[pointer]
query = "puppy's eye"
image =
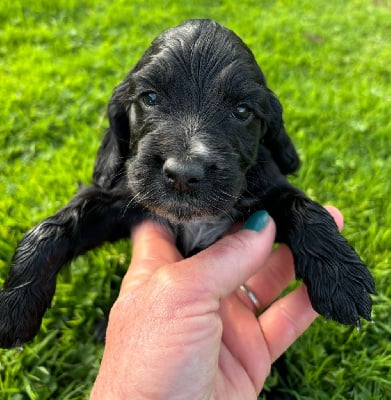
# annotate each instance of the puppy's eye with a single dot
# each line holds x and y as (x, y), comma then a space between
(149, 99)
(241, 112)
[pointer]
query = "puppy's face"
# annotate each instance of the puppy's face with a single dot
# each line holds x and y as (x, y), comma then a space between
(195, 113)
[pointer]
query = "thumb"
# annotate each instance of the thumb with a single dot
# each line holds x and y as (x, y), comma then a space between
(228, 263)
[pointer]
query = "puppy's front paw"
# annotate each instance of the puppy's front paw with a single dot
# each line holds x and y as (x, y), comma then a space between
(21, 314)
(339, 284)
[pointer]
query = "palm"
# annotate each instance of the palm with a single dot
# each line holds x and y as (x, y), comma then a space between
(203, 336)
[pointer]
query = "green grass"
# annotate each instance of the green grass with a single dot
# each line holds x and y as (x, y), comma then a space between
(329, 63)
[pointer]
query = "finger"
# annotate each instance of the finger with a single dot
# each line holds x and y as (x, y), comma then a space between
(243, 337)
(153, 243)
(336, 214)
(233, 259)
(274, 276)
(152, 247)
(278, 271)
(285, 320)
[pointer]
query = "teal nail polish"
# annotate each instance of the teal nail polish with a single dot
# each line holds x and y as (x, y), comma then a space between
(257, 221)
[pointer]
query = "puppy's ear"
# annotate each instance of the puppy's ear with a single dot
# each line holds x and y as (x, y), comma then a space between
(114, 150)
(275, 137)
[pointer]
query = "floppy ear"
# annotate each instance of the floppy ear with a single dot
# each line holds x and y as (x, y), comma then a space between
(275, 137)
(114, 150)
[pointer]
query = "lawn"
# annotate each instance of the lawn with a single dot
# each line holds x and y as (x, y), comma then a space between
(329, 63)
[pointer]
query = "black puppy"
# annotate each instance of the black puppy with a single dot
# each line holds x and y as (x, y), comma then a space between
(196, 141)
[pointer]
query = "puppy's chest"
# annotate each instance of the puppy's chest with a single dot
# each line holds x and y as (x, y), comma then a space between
(196, 235)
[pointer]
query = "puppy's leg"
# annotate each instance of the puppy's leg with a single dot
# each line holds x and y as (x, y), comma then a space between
(92, 217)
(339, 284)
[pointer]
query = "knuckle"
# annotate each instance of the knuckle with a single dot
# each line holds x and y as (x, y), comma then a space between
(165, 278)
(238, 242)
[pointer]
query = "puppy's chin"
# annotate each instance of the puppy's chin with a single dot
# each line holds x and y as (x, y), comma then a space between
(179, 213)
(179, 208)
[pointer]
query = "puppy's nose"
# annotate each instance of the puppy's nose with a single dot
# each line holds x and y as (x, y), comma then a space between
(183, 175)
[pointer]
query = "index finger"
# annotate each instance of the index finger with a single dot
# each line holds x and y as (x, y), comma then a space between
(153, 246)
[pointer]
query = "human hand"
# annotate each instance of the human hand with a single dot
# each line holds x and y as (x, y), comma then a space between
(180, 329)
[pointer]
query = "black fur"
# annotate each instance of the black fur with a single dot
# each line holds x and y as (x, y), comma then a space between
(196, 141)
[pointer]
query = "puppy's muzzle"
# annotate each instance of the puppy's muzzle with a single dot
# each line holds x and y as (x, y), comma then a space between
(183, 175)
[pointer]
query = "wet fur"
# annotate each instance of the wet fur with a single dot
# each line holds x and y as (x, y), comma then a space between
(201, 72)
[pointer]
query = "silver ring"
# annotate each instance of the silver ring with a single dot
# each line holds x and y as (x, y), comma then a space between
(251, 295)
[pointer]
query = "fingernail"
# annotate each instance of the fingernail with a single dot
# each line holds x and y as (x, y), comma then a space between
(257, 221)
